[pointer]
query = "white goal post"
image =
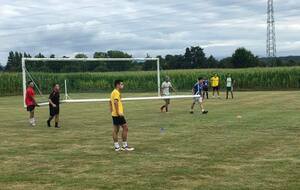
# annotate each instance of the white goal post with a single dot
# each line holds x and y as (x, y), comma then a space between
(68, 100)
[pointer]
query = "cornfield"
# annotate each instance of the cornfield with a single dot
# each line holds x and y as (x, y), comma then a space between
(246, 79)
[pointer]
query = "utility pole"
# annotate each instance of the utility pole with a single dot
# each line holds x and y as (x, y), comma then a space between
(271, 38)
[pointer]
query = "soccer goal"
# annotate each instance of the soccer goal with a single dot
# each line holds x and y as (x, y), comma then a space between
(82, 80)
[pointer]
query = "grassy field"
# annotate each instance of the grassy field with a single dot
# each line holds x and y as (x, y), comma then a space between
(217, 151)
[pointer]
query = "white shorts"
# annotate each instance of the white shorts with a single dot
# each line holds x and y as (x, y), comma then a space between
(200, 100)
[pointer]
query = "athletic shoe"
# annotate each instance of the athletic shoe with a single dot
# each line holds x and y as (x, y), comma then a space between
(33, 124)
(127, 148)
(191, 112)
(204, 112)
(117, 149)
(57, 126)
(48, 123)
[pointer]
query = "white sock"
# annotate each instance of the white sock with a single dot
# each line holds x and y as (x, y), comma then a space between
(125, 144)
(31, 120)
(203, 110)
(117, 145)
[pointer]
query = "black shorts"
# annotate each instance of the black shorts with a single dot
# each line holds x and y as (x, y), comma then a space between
(205, 89)
(53, 110)
(30, 108)
(228, 88)
(215, 88)
(118, 120)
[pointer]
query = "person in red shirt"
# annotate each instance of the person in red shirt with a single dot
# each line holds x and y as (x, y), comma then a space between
(30, 102)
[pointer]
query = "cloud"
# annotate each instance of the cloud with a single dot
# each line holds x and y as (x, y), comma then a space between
(147, 26)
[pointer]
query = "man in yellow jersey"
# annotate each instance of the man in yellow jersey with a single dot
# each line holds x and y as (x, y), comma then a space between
(117, 112)
(215, 83)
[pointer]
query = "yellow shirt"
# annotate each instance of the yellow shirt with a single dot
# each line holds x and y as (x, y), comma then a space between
(214, 81)
(116, 95)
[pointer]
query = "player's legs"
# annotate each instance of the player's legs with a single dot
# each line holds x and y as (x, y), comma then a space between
(227, 93)
(49, 120)
(115, 137)
(193, 105)
(56, 120)
(206, 92)
(30, 109)
(231, 91)
(124, 138)
(31, 114)
(31, 118)
(167, 104)
(162, 107)
(218, 91)
(201, 106)
(124, 132)
(115, 133)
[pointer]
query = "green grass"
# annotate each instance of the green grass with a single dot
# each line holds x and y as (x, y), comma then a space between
(218, 151)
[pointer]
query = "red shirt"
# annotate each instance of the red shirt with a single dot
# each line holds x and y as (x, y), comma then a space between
(29, 96)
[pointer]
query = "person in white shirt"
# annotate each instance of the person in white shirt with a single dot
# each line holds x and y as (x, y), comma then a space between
(229, 85)
(166, 86)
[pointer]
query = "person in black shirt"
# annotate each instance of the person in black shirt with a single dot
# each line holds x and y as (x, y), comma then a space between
(54, 106)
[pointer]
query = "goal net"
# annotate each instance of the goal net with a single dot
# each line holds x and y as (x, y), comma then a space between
(91, 79)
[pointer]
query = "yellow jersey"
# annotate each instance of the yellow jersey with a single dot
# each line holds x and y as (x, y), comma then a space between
(116, 95)
(214, 81)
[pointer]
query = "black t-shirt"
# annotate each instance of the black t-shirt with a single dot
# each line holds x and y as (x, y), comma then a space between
(54, 97)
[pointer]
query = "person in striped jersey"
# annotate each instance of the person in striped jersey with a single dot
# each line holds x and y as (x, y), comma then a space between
(197, 90)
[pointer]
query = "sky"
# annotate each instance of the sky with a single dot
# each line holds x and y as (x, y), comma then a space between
(156, 27)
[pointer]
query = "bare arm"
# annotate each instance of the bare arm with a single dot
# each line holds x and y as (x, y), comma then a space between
(173, 89)
(110, 106)
(116, 103)
(33, 99)
(50, 101)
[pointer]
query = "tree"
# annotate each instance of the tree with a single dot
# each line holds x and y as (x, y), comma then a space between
(14, 61)
(100, 55)
(188, 58)
(81, 55)
(52, 56)
(198, 57)
(119, 65)
(118, 54)
(39, 56)
(149, 65)
(226, 63)
(212, 62)
(243, 58)
(175, 61)
(194, 57)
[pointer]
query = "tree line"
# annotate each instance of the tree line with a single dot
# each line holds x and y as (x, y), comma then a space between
(193, 58)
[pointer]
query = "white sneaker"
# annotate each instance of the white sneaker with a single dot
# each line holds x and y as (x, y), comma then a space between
(32, 122)
(117, 149)
(127, 148)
